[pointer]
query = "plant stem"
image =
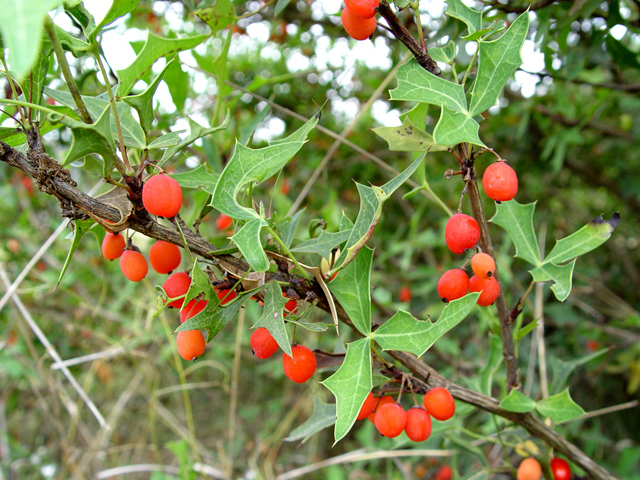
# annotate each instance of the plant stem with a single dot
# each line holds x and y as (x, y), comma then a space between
(473, 60)
(11, 83)
(287, 252)
(437, 199)
(415, 6)
(66, 71)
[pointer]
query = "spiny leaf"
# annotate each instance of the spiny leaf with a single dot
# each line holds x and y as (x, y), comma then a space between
(560, 274)
(323, 416)
(453, 128)
(562, 370)
(248, 241)
(518, 402)
(323, 244)
(560, 407)
(200, 177)
(408, 138)
(517, 220)
(80, 227)
(196, 131)
(119, 8)
(219, 15)
(472, 18)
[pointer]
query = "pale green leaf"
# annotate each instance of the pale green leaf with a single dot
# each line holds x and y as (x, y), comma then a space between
(518, 402)
(560, 274)
(408, 138)
(517, 220)
(560, 407)
(195, 131)
(201, 177)
(272, 318)
(248, 241)
(491, 364)
(453, 128)
(323, 416)
(524, 331)
(80, 227)
(219, 15)
(289, 231)
(561, 370)
(323, 244)
(119, 8)
(170, 139)
(472, 18)
(446, 54)
(132, 133)
(280, 6)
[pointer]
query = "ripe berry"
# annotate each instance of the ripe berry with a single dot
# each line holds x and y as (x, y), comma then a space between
(405, 294)
(453, 284)
(418, 427)
(363, 8)
(367, 407)
(445, 473)
(461, 233)
(380, 401)
(357, 27)
(175, 286)
(529, 469)
(262, 343)
(439, 403)
(301, 366)
(133, 265)
(483, 265)
(285, 188)
(112, 246)
(223, 222)
(391, 420)
(162, 196)
(560, 469)
(500, 182)
(192, 308)
(190, 344)
(164, 256)
(290, 307)
(489, 287)
(226, 296)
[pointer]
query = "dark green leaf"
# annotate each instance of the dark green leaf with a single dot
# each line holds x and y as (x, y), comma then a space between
(561, 370)
(491, 365)
(517, 220)
(472, 18)
(200, 177)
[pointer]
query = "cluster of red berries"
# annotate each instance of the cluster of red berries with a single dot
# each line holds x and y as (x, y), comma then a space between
(456, 283)
(390, 419)
(530, 469)
(358, 18)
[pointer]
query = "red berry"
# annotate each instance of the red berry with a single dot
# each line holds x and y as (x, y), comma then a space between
(500, 182)
(367, 407)
(226, 296)
(461, 233)
(453, 284)
(262, 343)
(362, 8)
(112, 246)
(483, 265)
(192, 308)
(133, 265)
(380, 401)
(290, 307)
(592, 345)
(529, 469)
(445, 473)
(490, 289)
(164, 256)
(439, 403)
(301, 366)
(418, 427)
(223, 222)
(285, 188)
(357, 27)
(560, 469)
(391, 420)
(190, 344)
(162, 196)
(175, 286)
(405, 294)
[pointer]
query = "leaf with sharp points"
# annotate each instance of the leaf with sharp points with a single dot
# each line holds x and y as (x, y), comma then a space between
(408, 138)
(560, 407)
(77, 9)
(417, 85)
(249, 165)
(201, 177)
(119, 8)
(38, 77)
(272, 318)
(472, 18)
(218, 16)
(561, 370)
(323, 244)
(352, 289)
(170, 139)
(446, 54)
(80, 227)
(495, 27)
(589, 237)
(453, 128)
(22, 25)
(195, 131)
(289, 231)
(154, 48)
(517, 220)
(248, 241)
(499, 59)
(132, 133)
(524, 331)
(177, 81)
(323, 416)
(405, 333)
(491, 365)
(560, 274)
(351, 385)
(518, 402)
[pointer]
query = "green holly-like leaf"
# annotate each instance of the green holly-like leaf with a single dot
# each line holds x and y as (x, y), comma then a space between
(352, 289)
(289, 231)
(417, 85)
(249, 165)
(170, 139)
(517, 220)
(38, 77)
(495, 27)
(132, 133)
(272, 318)
(177, 81)
(200, 284)
(589, 237)
(323, 416)
(248, 241)
(446, 54)
(499, 59)
(491, 365)
(562, 276)
(518, 402)
(453, 128)
(201, 177)
(405, 333)
(323, 244)
(351, 385)
(81, 14)
(560, 407)
(196, 131)
(561, 370)
(77, 47)
(524, 331)
(80, 227)
(472, 18)
(119, 8)
(154, 48)
(408, 138)
(218, 16)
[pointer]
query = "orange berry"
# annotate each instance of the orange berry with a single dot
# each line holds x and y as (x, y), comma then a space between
(262, 343)
(190, 344)
(483, 265)
(112, 245)
(290, 307)
(391, 420)
(367, 407)
(489, 287)
(162, 196)
(301, 366)
(164, 256)
(175, 286)
(453, 284)
(363, 8)
(418, 427)
(192, 308)
(133, 265)
(439, 403)
(405, 294)
(357, 27)
(529, 469)
(500, 182)
(380, 401)
(223, 222)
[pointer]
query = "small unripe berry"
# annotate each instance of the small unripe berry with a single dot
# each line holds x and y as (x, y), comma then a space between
(262, 343)
(357, 27)
(363, 8)
(133, 265)
(490, 289)
(175, 286)
(164, 256)
(453, 284)
(223, 222)
(391, 420)
(483, 265)
(112, 245)
(500, 182)
(380, 401)
(162, 196)
(190, 344)
(439, 403)
(461, 233)
(560, 469)
(418, 427)
(529, 469)
(301, 366)
(367, 407)
(192, 308)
